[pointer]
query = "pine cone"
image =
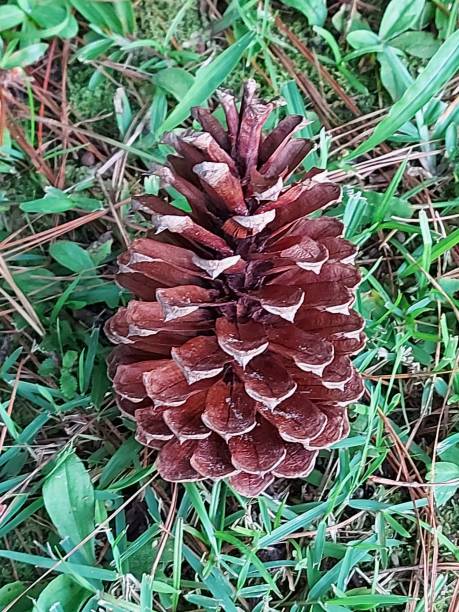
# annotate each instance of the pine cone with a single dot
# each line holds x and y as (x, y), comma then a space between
(234, 361)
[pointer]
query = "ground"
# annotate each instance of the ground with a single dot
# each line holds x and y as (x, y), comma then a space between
(85, 521)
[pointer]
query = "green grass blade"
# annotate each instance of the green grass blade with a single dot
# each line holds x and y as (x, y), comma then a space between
(442, 67)
(207, 79)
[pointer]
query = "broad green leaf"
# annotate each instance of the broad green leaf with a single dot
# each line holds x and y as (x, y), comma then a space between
(315, 11)
(63, 594)
(360, 39)
(53, 19)
(175, 81)
(394, 74)
(93, 49)
(399, 16)
(451, 443)
(206, 81)
(10, 16)
(54, 201)
(126, 16)
(101, 15)
(69, 500)
(10, 592)
(436, 74)
(23, 57)
(443, 472)
(419, 44)
(71, 256)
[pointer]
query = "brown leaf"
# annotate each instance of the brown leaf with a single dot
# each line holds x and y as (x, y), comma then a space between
(329, 273)
(210, 124)
(228, 102)
(151, 426)
(351, 392)
(284, 161)
(330, 325)
(253, 117)
(339, 250)
(128, 380)
(336, 429)
(280, 136)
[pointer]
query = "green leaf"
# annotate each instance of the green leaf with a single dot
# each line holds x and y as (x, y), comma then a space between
(23, 57)
(68, 384)
(63, 594)
(54, 201)
(125, 14)
(69, 500)
(101, 15)
(394, 74)
(71, 256)
(53, 19)
(10, 16)
(435, 75)
(198, 504)
(206, 81)
(175, 81)
(369, 602)
(94, 49)
(418, 44)
(360, 39)
(123, 111)
(315, 11)
(443, 472)
(10, 592)
(399, 17)
(65, 567)
(444, 245)
(299, 522)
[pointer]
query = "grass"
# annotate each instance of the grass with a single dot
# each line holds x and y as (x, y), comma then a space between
(85, 522)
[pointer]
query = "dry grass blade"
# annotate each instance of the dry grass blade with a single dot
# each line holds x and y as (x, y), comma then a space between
(22, 304)
(312, 59)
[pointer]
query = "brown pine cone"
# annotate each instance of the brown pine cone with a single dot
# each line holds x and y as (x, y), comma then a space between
(235, 358)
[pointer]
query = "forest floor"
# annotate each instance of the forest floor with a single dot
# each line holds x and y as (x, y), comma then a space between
(86, 91)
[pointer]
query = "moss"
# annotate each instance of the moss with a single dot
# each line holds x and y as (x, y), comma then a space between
(88, 103)
(156, 16)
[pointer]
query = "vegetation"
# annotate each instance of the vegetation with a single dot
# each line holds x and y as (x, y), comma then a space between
(86, 91)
